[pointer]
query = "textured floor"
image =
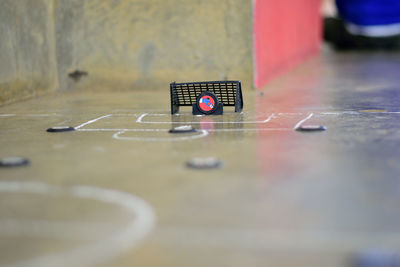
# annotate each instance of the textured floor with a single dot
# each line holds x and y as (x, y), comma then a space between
(116, 192)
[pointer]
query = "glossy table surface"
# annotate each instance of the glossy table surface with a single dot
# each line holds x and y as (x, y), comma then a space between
(117, 192)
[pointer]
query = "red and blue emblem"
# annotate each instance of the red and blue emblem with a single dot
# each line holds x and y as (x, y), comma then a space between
(206, 103)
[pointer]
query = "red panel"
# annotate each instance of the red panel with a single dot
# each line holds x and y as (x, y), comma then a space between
(286, 32)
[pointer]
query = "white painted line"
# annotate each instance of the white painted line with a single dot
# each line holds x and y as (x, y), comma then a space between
(92, 121)
(140, 120)
(166, 130)
(203, 133)
(64, 122)
(122, 130)
(342, 113)
(357, 112)
(352, 112)
(302, 121)
(126, 114)
(269, 118)
(250, 130)
(71, 230)
(30, 115)
(290, 114)
(41, 115)
(124, 239)
(330, 113)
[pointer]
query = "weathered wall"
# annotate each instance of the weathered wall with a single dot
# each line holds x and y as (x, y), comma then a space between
(122, 44)
(146, 44)
(129, 44)
(27, 49)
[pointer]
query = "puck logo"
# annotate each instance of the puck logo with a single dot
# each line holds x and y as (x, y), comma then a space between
(206, 103)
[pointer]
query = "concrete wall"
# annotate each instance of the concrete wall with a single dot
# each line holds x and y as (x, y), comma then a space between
(122, 44)
(27, 49)
(130, 44)
(146, 44)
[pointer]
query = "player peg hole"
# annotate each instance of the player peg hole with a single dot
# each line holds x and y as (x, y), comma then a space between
(9, 162)
(77, 75)
(311, 128)
(204, 163)
(183, 129)
(58, 129)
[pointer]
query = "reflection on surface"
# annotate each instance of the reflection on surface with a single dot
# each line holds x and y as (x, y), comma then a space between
(292, 99)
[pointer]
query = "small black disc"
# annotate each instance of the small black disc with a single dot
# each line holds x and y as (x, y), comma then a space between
(183, 129)
(311, 128)
(58, 129)
(14, 162)
(204, 163)
(207, 102)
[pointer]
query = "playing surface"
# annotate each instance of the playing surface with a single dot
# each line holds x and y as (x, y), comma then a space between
(117, 192)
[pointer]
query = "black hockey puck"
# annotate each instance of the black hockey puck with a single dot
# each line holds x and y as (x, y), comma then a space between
(207, 102)
(58, 129)
(204, 163)
(183, 129)
(14, 162)
(311, 128)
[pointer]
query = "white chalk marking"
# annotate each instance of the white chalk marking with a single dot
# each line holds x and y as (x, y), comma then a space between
(126, 115)
(92, 121)
(66, 230)
(343, 113)
(357, 113)
(269, 118)
(140, 120)
(250, 130)
(302, 121)
(203, 133)
(290, 114)
(121, 130)
(140, 117)
(330, 113)
(352, 112)
(41, 115)
(30, 115)
(95, 253)
(165, 130)
(64, 122)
